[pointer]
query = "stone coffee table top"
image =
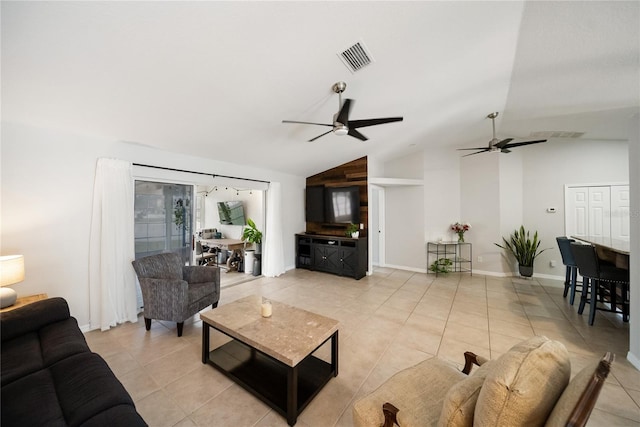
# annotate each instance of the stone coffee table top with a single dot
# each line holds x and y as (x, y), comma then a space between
(289, 335)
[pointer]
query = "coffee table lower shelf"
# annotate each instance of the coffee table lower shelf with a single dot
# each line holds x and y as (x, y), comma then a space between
(288, 390)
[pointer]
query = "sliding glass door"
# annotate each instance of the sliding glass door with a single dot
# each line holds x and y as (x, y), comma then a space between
(163, 219)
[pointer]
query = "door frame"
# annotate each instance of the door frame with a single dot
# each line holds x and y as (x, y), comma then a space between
(377, 230)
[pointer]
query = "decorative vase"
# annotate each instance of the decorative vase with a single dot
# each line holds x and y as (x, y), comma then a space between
(355, 234)
(525, 270)
(460, 236)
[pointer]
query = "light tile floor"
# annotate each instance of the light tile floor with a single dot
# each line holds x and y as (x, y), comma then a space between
(389, 321)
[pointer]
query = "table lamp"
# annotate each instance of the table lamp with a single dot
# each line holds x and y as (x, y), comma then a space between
(11, 272)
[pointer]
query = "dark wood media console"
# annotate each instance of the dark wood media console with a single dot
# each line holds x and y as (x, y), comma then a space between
(344, 256)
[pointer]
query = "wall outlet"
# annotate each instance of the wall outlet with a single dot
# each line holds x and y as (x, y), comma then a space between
(552, 263)
(479, 259)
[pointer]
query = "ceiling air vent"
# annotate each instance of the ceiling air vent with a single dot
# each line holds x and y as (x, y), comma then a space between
(556, 134)
(356, 57)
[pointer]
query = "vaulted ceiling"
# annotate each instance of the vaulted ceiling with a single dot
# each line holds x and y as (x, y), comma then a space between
(216, 79)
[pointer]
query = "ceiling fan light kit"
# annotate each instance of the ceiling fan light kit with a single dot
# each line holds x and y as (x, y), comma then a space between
(341, 124)
(499, 146)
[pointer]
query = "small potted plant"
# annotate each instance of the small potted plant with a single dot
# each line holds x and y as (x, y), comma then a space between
(524, 248)
(352, 231)
(251, 234)
(442, 265)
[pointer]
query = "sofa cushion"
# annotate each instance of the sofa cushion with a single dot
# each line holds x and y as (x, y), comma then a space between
(460, 401)
(20, 356)
(27, 353)
(417, 392)
(32, 401)
(121, 415)
(522, 385)
(76, 390)
(61, 339)
(86, 386)
(32, 317)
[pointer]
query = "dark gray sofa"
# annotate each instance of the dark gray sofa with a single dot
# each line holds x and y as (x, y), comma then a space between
(50, 377)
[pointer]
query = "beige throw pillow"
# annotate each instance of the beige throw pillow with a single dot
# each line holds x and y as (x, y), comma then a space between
(523, 385)
(570, 396)
(460, 401)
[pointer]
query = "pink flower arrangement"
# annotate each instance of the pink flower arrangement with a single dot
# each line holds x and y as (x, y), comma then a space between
(460, 229)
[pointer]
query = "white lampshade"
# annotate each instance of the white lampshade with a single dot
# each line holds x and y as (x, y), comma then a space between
(11, 272)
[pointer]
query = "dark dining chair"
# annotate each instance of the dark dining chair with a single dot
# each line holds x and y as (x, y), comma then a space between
(600, 283)
(571, 277)
(204, 257)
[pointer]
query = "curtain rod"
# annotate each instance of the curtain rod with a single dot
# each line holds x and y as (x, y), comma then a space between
(200, 173)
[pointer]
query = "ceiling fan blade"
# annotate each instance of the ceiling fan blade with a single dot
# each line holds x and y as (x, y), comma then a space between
(475, 148)
(477, 152)
(373, 122)
(313, 139)
(502, 143)
(505, 150)
(343, 115)
(520, 144)
(354, 133)
(306, 123)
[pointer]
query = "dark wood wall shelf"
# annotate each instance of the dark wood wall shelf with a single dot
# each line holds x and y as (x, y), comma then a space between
(349, 174)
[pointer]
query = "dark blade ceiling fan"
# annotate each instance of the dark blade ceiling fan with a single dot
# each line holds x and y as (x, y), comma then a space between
(496, 145)
(341, 124)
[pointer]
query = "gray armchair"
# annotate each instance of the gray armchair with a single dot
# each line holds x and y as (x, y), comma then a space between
(174, 292)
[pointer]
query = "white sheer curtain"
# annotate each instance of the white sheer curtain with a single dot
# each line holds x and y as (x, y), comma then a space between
(112, 280)
(273, 252)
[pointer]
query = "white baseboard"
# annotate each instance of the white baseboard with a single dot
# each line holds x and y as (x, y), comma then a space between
(480, 272)
(405, 268)
(634, 360)
(492, 273)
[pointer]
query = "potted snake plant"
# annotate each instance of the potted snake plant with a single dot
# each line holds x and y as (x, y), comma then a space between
(524, 248)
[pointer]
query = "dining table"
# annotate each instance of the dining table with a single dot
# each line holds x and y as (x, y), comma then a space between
(609, 249)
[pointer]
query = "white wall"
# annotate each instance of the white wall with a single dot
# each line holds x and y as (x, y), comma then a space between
(404, 215)
(481, 206)
(502, 191)
(441, 194)
(47, 189)
(547, 168)
(404, 225)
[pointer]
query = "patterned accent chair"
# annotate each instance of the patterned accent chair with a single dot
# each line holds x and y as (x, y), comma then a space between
(173, 291)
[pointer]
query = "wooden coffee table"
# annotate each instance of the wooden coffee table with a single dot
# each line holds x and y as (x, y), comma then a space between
(272, 357)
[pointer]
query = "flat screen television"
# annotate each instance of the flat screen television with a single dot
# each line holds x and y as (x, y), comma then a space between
(231, 213)
(314, 204)
(342, 205)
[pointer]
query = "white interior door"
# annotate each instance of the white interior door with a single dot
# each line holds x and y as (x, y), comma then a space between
(577, 211)
(600, 211)
(620, 212)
